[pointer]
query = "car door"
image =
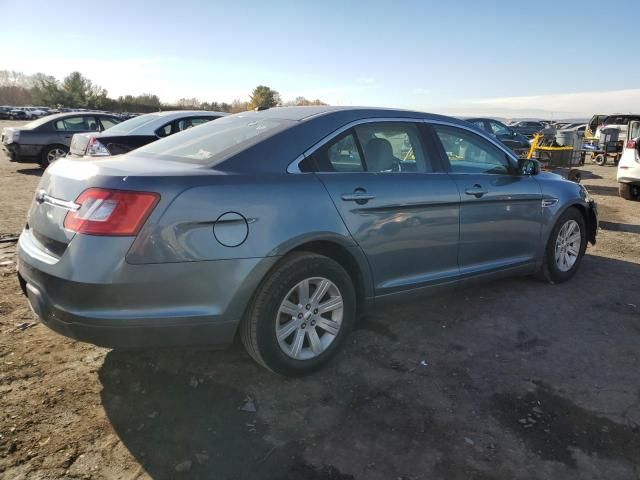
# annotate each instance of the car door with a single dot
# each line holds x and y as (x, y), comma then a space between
(386, 182)
(500, 210)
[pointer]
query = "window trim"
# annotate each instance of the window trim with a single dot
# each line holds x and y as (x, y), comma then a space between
(294, 168)
(511, 160)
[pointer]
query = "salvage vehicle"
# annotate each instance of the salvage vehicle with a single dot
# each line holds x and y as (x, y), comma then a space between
(284, 225)
(45, 140)
(629, 165)
(512, 139)
(527, 128)
(137, 131)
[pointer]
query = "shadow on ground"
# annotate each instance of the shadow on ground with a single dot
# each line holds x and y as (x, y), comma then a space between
(603, 190)
(187, 415)
(499, 394)
(31, 171)
(619, 227)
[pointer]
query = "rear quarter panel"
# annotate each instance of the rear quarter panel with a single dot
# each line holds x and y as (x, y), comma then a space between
(281, 212)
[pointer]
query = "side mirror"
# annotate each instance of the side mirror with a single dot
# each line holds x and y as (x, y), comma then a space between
(528, 166)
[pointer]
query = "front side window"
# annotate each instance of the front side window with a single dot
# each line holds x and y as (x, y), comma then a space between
(499, 129)
(470, 153)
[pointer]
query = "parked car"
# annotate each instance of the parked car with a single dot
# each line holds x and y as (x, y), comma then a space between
(629, 165)
(285, 224)
(512, 139)
(136, 132)
(5, 112)
(527, 128)
(47, 139)
(18, 114)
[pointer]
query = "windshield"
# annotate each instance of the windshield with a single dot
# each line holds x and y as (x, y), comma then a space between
(130, 125)
(212, 142)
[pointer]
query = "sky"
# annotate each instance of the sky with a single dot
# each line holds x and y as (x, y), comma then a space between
(551, 59)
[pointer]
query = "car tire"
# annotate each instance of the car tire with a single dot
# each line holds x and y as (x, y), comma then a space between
(308, 338)
(600, 159)
(629, 191)
(563, 254)
(51, 154)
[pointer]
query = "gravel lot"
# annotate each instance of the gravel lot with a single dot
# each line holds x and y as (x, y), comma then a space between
(510, 379)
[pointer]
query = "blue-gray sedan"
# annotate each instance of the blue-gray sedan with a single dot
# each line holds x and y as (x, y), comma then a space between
(284, 225)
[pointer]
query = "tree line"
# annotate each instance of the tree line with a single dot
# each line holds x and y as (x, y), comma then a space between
(77, 91)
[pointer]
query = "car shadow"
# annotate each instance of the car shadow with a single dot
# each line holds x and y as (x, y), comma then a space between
(603, 190)
(190, 414)
(187, 414)
(588, 174)
(619, 227)
(37, 172)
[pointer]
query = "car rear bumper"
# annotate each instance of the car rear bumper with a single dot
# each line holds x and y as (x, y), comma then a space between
(141, 306)
(21, 154)
(123, 332)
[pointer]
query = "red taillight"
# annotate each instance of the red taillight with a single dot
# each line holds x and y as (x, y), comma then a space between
(632, 143)
(111, 212)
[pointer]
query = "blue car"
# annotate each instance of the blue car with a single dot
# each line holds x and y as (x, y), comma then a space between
(284, 225)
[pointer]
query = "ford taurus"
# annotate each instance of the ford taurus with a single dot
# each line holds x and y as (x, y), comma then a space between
(282, 226)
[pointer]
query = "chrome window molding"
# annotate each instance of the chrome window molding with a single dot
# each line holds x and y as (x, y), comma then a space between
(294, 167)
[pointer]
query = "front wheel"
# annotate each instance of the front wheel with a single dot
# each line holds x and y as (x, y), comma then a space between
(565, 247)
(300, 314)
(600, 159)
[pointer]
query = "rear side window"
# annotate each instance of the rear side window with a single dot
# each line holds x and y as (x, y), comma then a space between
(344, 156)
(76, 124)
(381, 147)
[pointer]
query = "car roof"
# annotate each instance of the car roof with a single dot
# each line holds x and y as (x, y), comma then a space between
(184, 113)
(302, 114)
(309, 125)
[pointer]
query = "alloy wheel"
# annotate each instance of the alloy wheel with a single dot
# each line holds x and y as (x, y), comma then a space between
(309, 318)
(568, 245)
(54, 154)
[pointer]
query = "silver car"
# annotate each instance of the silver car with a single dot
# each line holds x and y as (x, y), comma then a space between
(284, 225)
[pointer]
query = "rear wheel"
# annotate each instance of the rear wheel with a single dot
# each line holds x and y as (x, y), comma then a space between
(629, 191)
(565, 248)
(300, 314)
(51, 153)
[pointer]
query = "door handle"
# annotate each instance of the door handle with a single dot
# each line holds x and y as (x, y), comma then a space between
(359, 196)
(477, 191)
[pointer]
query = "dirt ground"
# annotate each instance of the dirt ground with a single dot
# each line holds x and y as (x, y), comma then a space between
(510, 379)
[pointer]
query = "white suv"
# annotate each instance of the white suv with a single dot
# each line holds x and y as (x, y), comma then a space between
(629, 166)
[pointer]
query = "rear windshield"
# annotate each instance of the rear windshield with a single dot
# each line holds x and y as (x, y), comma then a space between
(212, 142)
(130, 125)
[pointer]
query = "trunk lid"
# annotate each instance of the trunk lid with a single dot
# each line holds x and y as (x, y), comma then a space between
(64, 181)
